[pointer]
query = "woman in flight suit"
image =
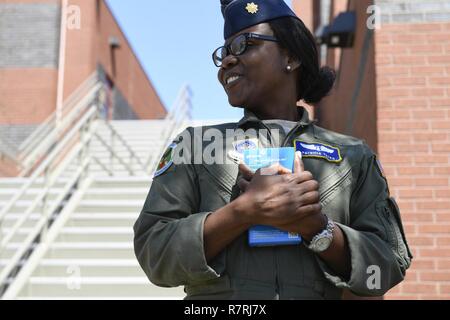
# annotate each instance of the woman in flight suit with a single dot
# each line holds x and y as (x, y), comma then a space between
(192, 230)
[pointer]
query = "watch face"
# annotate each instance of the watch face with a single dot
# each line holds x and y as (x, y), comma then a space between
(322, 244)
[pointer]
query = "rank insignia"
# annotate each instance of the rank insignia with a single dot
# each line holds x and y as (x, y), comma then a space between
(252, 8)
(318, 150)
(166, 161)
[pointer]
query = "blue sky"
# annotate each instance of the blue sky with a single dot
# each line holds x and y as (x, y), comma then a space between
(174, 41)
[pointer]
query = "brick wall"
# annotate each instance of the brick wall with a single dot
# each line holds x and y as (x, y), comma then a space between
(28, 60)
(29, 52)
(81, 46)
(89, 47)
(27, 96)
(351, 106)
(29, 35)
(413, 88)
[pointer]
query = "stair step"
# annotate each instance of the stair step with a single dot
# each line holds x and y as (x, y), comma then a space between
(17, 183)
(89, 268)
(96, 287)
(100, 235)
(97, 239)
(119, 221)
(110, 206)
(104, 193)
(7, 194)
(11, 219)
(91, 250)
(22, 205)
(122, 182)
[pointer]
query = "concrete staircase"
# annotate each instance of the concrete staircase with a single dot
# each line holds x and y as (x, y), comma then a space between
(92, 256)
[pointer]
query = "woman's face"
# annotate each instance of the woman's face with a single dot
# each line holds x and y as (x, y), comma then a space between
(260, 71)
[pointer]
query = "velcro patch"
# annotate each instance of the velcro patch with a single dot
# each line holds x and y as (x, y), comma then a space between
(318, 150)
(166, 161)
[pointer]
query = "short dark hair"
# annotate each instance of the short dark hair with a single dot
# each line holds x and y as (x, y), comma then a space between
(314, 82)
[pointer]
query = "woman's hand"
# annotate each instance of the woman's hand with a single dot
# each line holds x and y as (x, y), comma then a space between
(289, 201)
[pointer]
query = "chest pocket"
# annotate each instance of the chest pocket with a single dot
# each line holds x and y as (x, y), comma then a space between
(334, 181)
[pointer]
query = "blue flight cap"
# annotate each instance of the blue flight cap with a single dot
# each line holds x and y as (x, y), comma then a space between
(241, 14)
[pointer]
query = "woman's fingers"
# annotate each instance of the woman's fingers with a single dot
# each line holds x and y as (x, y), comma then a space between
(298, 163)
(311, 197)
(274, 169)
(243, 184)
(245, 171)
(303, 177)
(281, 170)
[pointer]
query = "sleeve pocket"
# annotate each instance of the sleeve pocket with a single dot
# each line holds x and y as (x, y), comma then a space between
(389, 214)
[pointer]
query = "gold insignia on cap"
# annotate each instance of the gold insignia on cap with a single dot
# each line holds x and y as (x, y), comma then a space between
(252, 8)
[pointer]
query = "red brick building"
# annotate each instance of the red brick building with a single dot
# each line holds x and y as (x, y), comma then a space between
(393, 90)
(37, 57)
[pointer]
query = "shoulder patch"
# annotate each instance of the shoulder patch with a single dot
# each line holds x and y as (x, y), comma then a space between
(318, 150)
(166, 161)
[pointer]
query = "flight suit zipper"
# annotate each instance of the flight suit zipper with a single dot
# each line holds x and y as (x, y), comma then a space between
(270, 137)
(294, 130)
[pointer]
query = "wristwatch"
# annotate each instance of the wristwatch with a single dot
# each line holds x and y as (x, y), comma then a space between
(322, 241)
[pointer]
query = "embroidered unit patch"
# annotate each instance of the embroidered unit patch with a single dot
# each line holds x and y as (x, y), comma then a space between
(166, 161)
(318, 150)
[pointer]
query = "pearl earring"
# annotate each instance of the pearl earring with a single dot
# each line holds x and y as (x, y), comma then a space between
(289, 68)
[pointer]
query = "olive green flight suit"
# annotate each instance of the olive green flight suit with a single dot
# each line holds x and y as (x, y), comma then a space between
(354, 193)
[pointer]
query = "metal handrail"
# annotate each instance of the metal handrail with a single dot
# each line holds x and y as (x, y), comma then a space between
(52, 168)
(50, 122)
(97, 160)
(39, 228)
(86, 121)
(113, 154)
(52, 137)
(6, 152)
(126, 145)
(174, 120)
(16, 284)
(47, 162)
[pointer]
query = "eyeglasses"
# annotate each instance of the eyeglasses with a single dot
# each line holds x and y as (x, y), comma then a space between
(237, 46)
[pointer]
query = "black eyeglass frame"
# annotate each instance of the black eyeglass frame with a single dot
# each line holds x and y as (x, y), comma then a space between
(229, 50)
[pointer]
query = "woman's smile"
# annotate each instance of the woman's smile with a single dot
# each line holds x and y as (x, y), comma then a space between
(232, 81)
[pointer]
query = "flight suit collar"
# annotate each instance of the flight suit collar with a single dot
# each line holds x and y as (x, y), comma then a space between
(251, 117)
